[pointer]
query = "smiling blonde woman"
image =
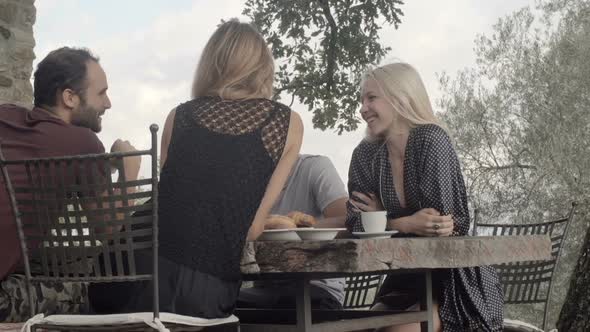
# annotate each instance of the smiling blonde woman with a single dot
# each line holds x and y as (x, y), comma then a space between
(408, 167)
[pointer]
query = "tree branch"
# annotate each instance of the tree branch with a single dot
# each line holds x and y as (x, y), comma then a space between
(291, 86)
(510, 166)
(331, 50)
(530, 191)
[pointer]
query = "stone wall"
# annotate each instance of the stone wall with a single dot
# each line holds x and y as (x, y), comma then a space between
(16, 51)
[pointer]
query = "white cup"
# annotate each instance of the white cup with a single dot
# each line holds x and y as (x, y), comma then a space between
(374, 221)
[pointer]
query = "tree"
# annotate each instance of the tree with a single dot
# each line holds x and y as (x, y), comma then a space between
(574, 315)
(322, 47)
(521, 122)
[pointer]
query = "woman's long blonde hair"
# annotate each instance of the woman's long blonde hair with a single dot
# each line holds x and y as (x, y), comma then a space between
(403, 88)
(235, 64)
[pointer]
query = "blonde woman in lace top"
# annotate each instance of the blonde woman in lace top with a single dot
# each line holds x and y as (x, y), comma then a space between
(226, 155)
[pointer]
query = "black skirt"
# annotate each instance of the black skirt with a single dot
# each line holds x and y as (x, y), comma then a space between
(182, 291)
(402, 291)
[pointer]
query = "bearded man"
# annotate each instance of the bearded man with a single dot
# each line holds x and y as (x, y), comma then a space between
(70, 92)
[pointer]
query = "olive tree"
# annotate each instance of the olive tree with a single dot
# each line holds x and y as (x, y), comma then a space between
(521, 121)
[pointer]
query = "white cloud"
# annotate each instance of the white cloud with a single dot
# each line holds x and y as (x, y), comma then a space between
(150, 67)
(46, 6)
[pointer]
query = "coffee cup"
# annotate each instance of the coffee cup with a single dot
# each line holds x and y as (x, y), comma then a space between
(374, 221)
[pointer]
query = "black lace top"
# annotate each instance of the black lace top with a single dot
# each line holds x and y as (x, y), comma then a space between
(220, 160)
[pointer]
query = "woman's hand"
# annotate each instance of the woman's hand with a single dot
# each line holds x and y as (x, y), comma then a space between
(365, 203)
(429, 222)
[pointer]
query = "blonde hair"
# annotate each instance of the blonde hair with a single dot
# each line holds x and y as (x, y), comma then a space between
(403, 88)
(235, 64)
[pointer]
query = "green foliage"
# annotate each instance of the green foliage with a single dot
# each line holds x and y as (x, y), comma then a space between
(321, 48)
(520, 117)
(521, 122)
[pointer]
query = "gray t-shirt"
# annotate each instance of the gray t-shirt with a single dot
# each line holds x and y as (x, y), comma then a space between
(313, 184)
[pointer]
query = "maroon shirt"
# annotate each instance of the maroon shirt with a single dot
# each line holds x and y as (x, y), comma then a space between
(33, 134)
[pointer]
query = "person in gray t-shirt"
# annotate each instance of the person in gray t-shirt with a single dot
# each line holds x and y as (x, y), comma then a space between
(315, 188)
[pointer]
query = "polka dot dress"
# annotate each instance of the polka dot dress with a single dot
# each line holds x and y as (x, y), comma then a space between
(470, 299)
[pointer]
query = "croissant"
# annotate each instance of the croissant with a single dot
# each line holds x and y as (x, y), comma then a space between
(301, 219)
(275, 221)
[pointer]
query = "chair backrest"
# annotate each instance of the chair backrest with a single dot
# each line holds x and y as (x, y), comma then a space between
(76, 224)
(361, 290)
(531, 281)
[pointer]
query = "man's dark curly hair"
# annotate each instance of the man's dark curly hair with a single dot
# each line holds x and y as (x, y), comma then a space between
(64, 68)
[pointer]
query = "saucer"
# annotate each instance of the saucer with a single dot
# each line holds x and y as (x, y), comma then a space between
(374, 235)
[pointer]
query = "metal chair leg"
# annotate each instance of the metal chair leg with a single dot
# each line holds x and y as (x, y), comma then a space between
(427, 304)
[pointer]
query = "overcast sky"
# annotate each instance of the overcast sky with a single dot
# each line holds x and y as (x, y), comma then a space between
(150, 48)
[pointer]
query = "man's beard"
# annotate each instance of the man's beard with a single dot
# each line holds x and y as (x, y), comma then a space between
(87, 116)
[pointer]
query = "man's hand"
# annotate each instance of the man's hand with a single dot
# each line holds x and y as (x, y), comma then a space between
(130, 164)
(122, 146)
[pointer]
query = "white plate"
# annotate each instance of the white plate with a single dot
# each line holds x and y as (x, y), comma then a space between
(376, 235)
(318, 234)
(279, 235)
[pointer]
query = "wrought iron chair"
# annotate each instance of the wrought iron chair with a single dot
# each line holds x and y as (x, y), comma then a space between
(361, 290)
(528, 282)
(80, 225)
